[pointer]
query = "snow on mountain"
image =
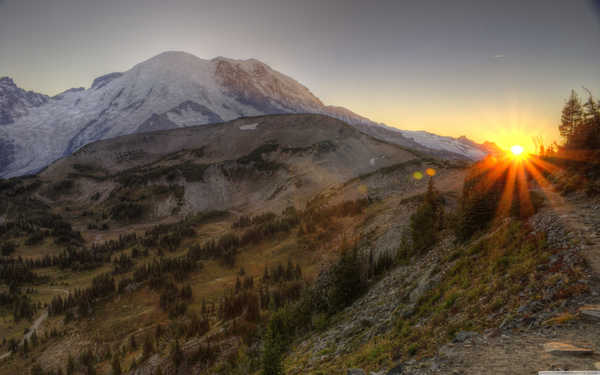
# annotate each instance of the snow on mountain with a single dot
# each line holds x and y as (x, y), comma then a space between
(171, 90)
(16, 102)
(449, 144)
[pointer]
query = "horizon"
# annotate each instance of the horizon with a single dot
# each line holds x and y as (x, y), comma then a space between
(489, 72)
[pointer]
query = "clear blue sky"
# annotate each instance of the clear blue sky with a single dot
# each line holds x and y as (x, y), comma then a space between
(497, 70)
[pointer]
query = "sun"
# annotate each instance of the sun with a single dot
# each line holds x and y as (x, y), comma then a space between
(517, 151)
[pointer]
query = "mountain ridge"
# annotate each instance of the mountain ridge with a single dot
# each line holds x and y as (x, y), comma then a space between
(172, 89)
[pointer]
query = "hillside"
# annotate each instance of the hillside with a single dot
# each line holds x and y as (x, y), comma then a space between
(290, 243)
(203, 206)
(269, 162)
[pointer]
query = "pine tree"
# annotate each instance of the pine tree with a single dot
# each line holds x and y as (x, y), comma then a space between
(238, 285)
(177, 354)
(132, 343)
(158, 333)
(571, 116)
(148, 347)
(70, 365)
(591, 121)
(116, 365)
(427, 221)
(272, 353)
(204, 309)
(347, 280)
(12, 345)
(34, 339)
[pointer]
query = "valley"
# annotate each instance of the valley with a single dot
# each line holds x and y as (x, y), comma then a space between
(113, 215)
(177, 251)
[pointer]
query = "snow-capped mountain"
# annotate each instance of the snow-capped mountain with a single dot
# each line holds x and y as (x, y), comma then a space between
(461, 146)
(171, 90)
(16, 102)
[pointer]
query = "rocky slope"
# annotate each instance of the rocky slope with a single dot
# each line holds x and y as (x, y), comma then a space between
(16, 102)
(266, 162)
(171, 90)
(552, 327)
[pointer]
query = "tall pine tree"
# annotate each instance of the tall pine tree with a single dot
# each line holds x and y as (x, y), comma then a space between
(571, 117)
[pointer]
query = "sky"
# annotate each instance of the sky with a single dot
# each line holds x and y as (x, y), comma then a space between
(490, 70)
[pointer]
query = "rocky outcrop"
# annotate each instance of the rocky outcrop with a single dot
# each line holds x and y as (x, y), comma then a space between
(561, 348)
(16, 102)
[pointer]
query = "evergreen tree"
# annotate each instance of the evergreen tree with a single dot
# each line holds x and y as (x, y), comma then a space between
(148, 347)
(426, 222)
(571, 116)
(347, 280)
(177, 354)
(116, 365)
(158, 333)
(12, 345)
(271, 360)
(589, 136)
(238, 285)
(132, 343)
(70, 365)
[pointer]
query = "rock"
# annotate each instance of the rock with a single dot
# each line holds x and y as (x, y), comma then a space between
(395, 371)
(560, 348)
(355, 371)
(591, 312)
(464, 335)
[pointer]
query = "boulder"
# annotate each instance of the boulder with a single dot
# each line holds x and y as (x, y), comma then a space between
(464, 335)
(395, 371)
(591, 312)
(355, 371)
(560, 348)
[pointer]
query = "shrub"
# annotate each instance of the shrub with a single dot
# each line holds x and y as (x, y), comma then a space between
(8, 248)
(427, 221)
(127, 211)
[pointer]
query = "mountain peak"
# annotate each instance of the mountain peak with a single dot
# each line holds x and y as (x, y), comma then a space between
(7, 81)
(16, 102)
(174, 57)
(172, 89)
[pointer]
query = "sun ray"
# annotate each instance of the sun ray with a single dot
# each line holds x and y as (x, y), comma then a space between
(526, 206)
(507, 195)
(548, 167)
(493, 173)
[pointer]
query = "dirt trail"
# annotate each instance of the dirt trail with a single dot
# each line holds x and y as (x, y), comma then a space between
(523, 351)
(581, 217)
